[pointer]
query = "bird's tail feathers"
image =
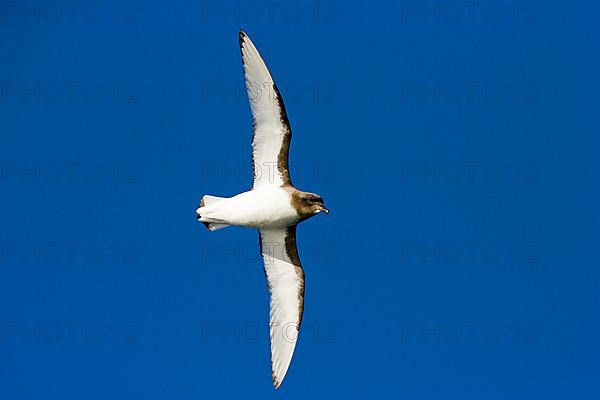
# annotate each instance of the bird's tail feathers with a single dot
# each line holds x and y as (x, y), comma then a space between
(211, 223)
(208, 200)
(212, 226)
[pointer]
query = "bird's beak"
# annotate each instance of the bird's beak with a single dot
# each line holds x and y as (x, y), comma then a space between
(326, 211)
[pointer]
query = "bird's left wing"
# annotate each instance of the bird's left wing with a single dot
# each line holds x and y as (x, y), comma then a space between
(272, 133)
(285, 279)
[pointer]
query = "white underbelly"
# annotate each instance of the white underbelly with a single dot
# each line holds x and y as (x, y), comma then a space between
(259, 208)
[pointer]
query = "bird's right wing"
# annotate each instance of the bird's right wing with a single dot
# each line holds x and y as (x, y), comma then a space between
(272, 132)
(285, 279)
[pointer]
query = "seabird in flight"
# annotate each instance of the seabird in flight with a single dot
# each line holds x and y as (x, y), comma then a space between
(273, 206)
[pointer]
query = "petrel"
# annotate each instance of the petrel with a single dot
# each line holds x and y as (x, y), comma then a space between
(273, 206)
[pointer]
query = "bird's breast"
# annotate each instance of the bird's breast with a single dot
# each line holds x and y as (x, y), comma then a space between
(263, 208)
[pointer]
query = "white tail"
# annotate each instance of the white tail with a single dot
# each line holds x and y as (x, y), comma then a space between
(209, 200)
(210, 223)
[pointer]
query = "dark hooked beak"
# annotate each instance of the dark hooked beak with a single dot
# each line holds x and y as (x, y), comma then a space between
(326, 211)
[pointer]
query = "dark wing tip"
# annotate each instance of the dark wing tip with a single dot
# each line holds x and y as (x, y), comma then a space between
(242, 37)
(276, 382)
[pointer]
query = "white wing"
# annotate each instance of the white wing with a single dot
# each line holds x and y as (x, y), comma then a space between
(285, 278)
(272, 133)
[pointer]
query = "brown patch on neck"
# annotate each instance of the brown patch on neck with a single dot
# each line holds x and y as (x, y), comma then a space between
(303, 210)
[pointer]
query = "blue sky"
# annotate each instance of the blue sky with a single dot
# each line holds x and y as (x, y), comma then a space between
(456, 147)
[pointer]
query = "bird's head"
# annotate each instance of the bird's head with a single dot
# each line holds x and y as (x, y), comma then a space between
(309, 204)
